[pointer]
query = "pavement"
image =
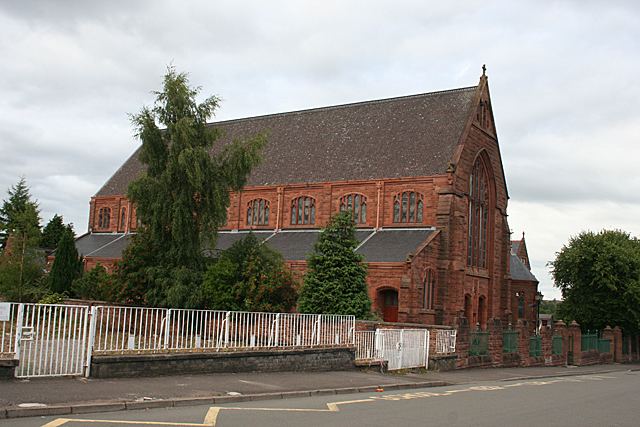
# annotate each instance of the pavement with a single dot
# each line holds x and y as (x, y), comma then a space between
(59, 396)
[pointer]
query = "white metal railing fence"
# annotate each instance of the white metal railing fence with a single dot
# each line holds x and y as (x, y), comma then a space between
(122, 329)
(446, 341)
(8, 322)
(400, 348)
(365, 345)
(51, 340)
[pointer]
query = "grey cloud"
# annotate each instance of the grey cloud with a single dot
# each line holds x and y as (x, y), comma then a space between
(563, 79)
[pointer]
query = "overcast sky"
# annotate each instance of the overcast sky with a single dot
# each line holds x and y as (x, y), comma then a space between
(564, 79)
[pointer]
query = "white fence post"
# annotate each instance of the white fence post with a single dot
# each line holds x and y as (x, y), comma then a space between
(277, 330)
(91, 339)
(18, 338)
(318, 329)
(226, 328)
(426, 349)
(167, 326)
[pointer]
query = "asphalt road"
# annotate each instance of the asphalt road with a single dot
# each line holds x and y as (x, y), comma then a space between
(610, 399)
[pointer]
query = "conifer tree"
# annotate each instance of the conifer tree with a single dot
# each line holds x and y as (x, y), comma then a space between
(67, 265)
(335, 282)
(19, 214)
(183, 197)
(53, 231)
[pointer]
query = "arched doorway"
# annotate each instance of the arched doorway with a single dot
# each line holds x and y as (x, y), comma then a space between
(388, 299)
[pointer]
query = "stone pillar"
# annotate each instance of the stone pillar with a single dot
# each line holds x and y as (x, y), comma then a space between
(495, 342)
(575, 334)
(607, 334)
(462, 344)
(523, 342)
(617, 345)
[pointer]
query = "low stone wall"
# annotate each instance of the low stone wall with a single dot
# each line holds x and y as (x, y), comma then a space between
(7, 368)
(443, 363)
(326, 359)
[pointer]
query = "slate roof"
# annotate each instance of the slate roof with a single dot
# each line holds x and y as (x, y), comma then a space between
(294, 245)
(390, 138)
(515, 245)
(297, 245)
(519, 271)
(91, 242)
(390, 245)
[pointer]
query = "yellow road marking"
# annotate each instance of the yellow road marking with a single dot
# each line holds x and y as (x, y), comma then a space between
(212, 414)
(61, 421)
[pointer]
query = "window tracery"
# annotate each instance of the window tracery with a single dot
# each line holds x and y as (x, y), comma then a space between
(357, 205)
(408, 207)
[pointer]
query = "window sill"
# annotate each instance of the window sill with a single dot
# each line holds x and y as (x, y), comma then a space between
(478, 272)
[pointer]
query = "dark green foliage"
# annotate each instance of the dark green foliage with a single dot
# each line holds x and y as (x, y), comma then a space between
(67, 265)
(19, 214)
(21, 270)
(249, 276)
(21, 261)
(599, 276)
(335, 282)
(550, 307)
(182, 198)
(96, 284)
(53, 231)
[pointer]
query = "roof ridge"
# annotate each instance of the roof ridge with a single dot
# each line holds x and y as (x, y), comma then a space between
(339, 106)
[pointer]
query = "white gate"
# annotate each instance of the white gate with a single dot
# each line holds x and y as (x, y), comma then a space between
(403, 348)
(51, 340)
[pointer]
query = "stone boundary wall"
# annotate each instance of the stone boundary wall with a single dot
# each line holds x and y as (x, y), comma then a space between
(571, 347)
(325, 359)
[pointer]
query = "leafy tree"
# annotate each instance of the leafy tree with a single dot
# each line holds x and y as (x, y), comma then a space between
(249, 276)
(19, 214)
(67, 265)
(183, 197)
(21, 269)
(335, 282)
(550, 307)
(96, 284)
(21, 262)
(599, 276)
(53, 231)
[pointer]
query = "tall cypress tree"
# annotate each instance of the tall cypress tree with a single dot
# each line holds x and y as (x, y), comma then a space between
(183, 197)
(335, 282)
(67, 265)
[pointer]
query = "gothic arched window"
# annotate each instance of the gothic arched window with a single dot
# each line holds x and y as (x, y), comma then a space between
(258, 212)
(428, 289)
(123, 217)
(303, 210)
(408, 206)
(104, 218)
(357, 205)
(478, 216)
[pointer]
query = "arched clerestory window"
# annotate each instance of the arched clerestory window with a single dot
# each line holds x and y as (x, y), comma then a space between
(303, 211)
(258, 212)
(477, 236)
(357, 205)
(104, 218)
(408, 206)
(123, 218)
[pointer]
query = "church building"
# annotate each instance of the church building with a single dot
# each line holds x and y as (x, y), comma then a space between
(423, 178)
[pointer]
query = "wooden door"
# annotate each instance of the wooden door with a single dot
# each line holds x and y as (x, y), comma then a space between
(389, 305)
